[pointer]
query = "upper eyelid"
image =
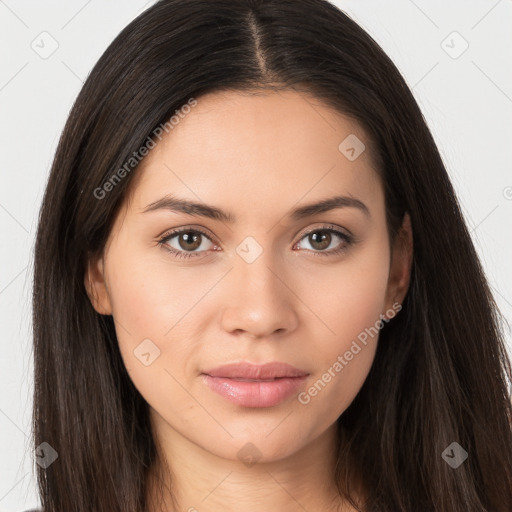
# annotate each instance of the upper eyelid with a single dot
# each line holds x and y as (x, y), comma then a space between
(328, 227)
(170, 234)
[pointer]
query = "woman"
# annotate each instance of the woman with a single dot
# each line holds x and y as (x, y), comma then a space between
(221, 160)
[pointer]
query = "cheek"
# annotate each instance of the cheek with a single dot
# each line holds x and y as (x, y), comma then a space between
(137, 292)
(349, 302)
(134, 298)
(156, 302)
(350, 296)
(145, 308)
(149, 298)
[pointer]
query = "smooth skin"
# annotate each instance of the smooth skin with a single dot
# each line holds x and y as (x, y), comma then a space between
(256, 157)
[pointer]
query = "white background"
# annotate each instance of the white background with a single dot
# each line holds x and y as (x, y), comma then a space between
(467, 102)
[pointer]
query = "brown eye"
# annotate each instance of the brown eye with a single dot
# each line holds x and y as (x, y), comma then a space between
(322, 239)
(186, 243)
(189, 240)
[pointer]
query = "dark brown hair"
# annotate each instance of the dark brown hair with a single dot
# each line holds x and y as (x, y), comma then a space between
(441, 368)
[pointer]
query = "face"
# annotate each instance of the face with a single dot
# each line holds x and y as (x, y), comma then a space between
(266, 280)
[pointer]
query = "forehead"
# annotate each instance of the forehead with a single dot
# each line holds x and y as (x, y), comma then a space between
(259, 149)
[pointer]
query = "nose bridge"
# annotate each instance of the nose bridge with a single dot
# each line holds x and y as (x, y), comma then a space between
(260, 276)
(261, 302)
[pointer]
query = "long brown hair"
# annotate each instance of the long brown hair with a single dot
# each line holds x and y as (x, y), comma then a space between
(441, 368)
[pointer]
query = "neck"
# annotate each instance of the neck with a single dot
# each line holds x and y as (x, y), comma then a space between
(196, 480)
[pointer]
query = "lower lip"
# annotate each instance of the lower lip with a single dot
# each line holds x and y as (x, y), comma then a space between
(255, 394)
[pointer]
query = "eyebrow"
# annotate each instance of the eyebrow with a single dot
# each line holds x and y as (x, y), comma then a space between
(178, 205)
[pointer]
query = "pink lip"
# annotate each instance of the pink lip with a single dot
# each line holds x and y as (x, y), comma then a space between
(251, 385)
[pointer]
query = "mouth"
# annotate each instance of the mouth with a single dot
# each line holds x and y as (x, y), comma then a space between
(250, 385)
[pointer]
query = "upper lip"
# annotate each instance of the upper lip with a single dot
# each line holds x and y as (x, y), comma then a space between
(247, 370)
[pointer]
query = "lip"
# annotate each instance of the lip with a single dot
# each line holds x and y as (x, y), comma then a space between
(252, 385)
(245, 370)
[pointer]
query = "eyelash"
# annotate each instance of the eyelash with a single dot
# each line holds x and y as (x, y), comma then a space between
(348, 240)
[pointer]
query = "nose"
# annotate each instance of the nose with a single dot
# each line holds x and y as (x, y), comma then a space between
(260, 301)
